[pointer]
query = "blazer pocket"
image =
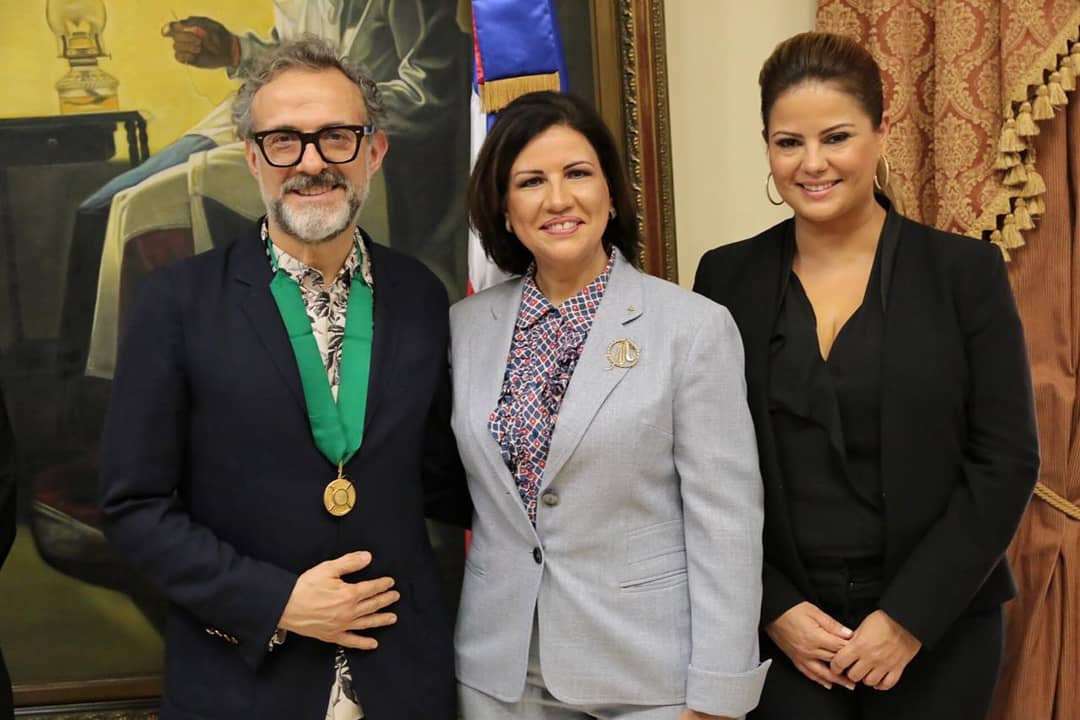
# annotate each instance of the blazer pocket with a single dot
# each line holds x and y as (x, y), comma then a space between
(658, 581)
(655, 557)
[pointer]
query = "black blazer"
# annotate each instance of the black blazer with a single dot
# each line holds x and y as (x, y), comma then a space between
(959, 451)
(212, 487)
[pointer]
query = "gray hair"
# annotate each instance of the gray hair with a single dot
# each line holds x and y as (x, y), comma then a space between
(308, 52)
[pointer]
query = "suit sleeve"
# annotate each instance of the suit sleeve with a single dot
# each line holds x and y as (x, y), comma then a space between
(251, 48)
(1001, 461)
(716, 459)
(144, 456)
(446, 494)
(779, 594)
(703, 277)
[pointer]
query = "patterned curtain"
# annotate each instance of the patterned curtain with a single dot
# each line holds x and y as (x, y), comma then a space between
(1041, 675)
(965, 83)
(985, 142)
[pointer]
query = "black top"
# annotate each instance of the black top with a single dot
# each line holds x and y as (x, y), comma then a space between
(827, 418)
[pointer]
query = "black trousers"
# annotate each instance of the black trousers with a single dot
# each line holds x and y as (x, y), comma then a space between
(952, 681)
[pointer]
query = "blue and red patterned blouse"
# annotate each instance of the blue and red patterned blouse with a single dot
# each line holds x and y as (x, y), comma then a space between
(547, 343)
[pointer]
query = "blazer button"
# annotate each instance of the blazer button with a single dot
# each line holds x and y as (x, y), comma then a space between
(537, 555)
(550, 499)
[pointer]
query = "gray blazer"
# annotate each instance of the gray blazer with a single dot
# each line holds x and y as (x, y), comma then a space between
(645, 563)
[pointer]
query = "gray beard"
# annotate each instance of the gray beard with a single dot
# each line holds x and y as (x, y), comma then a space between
(314, 226)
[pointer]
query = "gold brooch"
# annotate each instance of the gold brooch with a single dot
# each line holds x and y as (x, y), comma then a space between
(623, 353)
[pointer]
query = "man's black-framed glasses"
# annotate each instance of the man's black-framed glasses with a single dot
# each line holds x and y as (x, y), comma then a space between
(336, 144)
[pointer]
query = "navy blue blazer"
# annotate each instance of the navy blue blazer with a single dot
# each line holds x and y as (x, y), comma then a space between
(959, 449)
(212, 488)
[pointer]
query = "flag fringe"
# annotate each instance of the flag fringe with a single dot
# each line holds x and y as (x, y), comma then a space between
(497, 94)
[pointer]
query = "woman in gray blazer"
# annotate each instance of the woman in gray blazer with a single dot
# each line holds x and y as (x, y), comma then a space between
(601, 415)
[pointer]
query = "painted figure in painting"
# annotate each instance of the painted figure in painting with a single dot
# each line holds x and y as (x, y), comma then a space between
(416, 53)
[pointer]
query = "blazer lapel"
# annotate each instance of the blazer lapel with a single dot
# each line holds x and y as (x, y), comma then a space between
(489, 367)
(595, 377)
(384, 344)
(257, 303)
(905, 333)
(758, 306)
(253, 275)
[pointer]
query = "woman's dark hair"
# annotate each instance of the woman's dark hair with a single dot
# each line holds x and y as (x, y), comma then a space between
(822, 57)
(516, 126)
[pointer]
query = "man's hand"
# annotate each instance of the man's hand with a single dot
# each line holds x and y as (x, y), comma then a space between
(810, 637)
(689, 714)
(325, 607)
(878, 652)
(203, 42)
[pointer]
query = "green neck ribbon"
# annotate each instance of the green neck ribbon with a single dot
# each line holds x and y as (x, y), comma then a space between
(338, 428)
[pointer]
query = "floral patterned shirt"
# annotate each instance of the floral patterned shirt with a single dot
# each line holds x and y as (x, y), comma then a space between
(546, 345)
(327, 306)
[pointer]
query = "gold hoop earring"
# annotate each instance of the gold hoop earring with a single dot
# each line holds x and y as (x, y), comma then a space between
(768, 193)
(883, 185)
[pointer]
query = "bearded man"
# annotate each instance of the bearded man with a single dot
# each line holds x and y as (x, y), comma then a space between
(280, 424)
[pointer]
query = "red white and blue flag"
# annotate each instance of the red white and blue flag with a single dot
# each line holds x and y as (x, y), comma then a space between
(517, 49)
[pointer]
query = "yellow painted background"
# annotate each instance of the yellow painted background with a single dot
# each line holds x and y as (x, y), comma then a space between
(172, 97)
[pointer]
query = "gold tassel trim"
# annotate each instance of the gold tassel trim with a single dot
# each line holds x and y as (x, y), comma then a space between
(1010, 235)
(1056, 93)
(1068, 73)
(1024, 220)
(1036, 205)
(1042, 108)
(1006, 160)
(1020, 196)
(1016, 175)
(995, 239)
(1025, 124)
(1010, 141)
(1056, 501)
(1035, 184)
(497, 94)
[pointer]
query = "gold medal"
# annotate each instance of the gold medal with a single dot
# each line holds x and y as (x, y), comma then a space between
(339, 497)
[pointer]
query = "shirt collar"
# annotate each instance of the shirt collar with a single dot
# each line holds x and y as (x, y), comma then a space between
(299, 271)
(578, 310)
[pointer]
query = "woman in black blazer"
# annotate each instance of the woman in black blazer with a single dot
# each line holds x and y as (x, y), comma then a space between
(891, 395)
